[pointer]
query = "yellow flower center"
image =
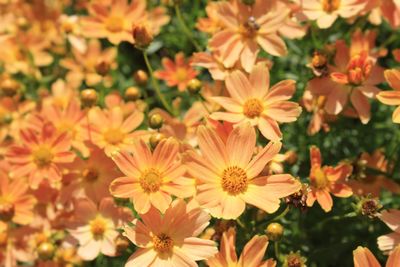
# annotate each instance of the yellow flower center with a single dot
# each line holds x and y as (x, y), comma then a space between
(98, 226)
(42, 156)
(150, 180)
(115, 24)
(181, 74)
(163, 243)
(90, 174)
(330, 5)
(253, 108)
(114, 136)
(359, 69)
(320, 179)
(234, 180)
(7, 210)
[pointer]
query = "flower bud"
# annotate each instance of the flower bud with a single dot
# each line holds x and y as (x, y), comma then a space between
(46, 251)
(102, 67)
(141, 77)
(142, 36)
(88, 97)
(155, 139)
(274, 231)
(194, 86)
(7, 211)
(132, 93)
(156, 121)
(9, 87)
(121, 244)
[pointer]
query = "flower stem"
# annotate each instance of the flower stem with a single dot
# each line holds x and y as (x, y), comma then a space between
(185, 29)
(276, 249)
(155, 84)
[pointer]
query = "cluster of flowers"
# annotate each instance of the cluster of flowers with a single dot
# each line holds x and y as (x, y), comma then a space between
(89, 168)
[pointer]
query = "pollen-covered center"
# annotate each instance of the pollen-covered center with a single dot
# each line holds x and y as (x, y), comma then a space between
(115, 24)
(98, 226)
(359, 69)
(234, 180)
(7, 210)
(330, 5)
(42, 156)
(150, 180)
(181, 74)
(90, 174)
(163, 243)
(114, 136)
(253, 108)
(320, 180)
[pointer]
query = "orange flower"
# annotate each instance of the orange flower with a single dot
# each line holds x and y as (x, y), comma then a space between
(252, 255)
(170, 240)
(325, 12)
(95, 227)
(113, 19)
(16, 205)
(253, 102)
(373, 184)
(325, 180)
(40, 155)
(390, 241)
(151, 178)
(363, 257)
(391, 12)
(392, 98)
(110, 131)
(246, 29)
(227, 177)
(177, 73)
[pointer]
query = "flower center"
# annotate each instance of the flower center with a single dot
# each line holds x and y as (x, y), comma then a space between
(359, 69)
(90, 174)
(150, 180)
(115, 24)
(234, 180)
(253, 108)
(7, 211)
(249, 28)
(320, 179)
(114, 136)
(163, 243)
(181, 74)
(42, 156)
(97, 227)
(330, 5)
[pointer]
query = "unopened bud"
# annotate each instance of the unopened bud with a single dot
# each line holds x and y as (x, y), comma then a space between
(156, 121)
(194, 86)
(274, 231)
(103, 67)
(132, 93)
(89, 97)
(9, 87)
(46, 251)
(142, 36)
(141, 77)
(155, 139)
(121, 244)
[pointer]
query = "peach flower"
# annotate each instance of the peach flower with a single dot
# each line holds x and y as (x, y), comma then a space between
(392, 219)
(363, 257)
(392, 98)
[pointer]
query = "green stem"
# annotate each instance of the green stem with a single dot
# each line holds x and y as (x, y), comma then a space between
(185, 29)
(155, 84)
(278, 217)
(276, 249)
(339, 217)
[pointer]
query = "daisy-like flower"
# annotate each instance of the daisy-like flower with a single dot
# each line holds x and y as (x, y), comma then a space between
(325, 12)
(246, 29)
(252, 101)
(113, 19)
(325, 180)
(372, 184)
(392, 98)
(363, 257)
(95, 227)
(110, 131)
(151, 178)
(252, 255)
(16, 204)
(170, 240)
(177, 73)
(40, 155)
(227, 173)
(392, 219)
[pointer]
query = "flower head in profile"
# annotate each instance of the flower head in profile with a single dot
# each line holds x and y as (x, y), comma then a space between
(95, 226)
(326, 180)
(171, 239)
(363, 257)
(392, 98)
(40, 155)
(110, 131)
(227, 174)
(325, 12)
(152, 178)
(392, 219)
(16, 204)
(177, 73)
(252, 255)
(251, 100)
(246, 29)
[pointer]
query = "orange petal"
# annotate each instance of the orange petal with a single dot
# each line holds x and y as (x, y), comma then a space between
(363, 257)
